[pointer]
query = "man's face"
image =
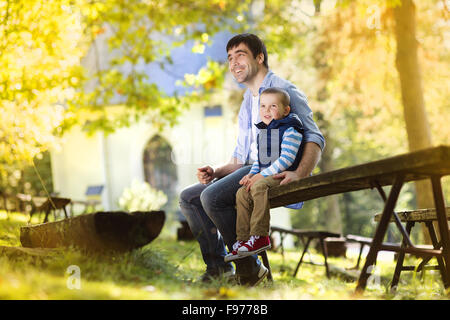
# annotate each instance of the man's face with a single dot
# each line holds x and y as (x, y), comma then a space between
(270, 107)
(243, 66)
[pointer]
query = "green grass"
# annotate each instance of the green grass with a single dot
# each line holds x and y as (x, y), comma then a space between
(169, 269)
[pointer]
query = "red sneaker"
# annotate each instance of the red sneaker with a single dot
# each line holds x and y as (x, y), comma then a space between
(233, 255)
(255, 245)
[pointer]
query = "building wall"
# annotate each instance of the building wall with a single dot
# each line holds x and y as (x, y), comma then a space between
(117, 159)
(77, 164)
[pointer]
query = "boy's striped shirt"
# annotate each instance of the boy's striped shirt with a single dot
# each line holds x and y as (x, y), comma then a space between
(289, 148)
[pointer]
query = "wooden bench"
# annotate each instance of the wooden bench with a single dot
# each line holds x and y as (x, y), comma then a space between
(431, 164)
(363, 241)
(49, 205)
(93, 200)
(306, 236)
(412, 217)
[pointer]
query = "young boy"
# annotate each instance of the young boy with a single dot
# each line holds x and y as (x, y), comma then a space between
(279, 149)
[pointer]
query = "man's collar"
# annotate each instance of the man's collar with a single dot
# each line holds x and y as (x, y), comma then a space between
(264, 85)
(266, 82)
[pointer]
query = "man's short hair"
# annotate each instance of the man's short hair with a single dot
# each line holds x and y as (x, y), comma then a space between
(284, 96)
(252, 41)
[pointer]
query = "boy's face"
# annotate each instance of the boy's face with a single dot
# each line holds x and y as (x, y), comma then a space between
(243, 66)
(271, 107)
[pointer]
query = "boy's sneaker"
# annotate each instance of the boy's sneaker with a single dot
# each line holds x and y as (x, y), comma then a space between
(233, 255)
(255, 245)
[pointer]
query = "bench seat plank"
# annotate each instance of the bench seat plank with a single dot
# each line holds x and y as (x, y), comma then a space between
(416, 166)
(359, 239)
(306, 233)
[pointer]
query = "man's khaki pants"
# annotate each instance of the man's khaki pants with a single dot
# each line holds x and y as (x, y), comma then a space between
(253, 209)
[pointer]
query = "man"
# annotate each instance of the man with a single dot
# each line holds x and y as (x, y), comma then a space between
(209, 206)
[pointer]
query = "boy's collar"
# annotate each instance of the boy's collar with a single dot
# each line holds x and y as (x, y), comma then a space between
(261, 125)
(274, 123)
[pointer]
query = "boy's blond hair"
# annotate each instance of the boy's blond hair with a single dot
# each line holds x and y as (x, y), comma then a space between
(284, 96)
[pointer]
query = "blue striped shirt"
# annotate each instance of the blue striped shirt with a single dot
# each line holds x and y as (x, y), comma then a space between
(289, 148)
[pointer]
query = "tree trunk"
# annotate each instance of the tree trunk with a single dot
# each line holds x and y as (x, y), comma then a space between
(333, 221)
(333, 214)
(417, 127)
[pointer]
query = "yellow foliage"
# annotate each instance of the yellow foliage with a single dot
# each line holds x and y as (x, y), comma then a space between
(363, 79)
(41, 45)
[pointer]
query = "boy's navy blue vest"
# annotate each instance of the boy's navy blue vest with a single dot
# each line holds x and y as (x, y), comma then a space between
(269, 138)
(265, 155)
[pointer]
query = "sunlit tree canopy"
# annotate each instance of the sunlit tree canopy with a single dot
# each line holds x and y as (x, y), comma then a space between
(341, 53)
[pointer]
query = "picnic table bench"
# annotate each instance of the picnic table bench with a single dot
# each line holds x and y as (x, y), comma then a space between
(363, 241)
(306, 236)
(44, 204)
(432, 163)
(411, 217)
(93, 199)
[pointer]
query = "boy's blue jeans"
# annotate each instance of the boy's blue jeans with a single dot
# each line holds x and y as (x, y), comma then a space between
(210, 211)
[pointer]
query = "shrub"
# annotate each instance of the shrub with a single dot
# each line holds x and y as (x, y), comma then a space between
(142, 197)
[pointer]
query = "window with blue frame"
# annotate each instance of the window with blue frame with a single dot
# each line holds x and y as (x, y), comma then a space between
(214, 111)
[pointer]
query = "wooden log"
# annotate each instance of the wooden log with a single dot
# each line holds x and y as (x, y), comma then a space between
(12, 252)
(184, 232)
(100, 231)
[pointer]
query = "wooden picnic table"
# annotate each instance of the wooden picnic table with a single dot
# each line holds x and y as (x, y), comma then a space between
(432, 163)
(49, 204)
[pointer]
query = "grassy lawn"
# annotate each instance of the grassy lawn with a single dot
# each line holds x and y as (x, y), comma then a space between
(169, 269)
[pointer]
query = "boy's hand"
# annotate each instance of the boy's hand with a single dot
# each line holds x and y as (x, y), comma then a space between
(252, 181)
(245, 179)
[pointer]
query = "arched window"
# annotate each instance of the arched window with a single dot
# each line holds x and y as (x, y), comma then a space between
(159, 170)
